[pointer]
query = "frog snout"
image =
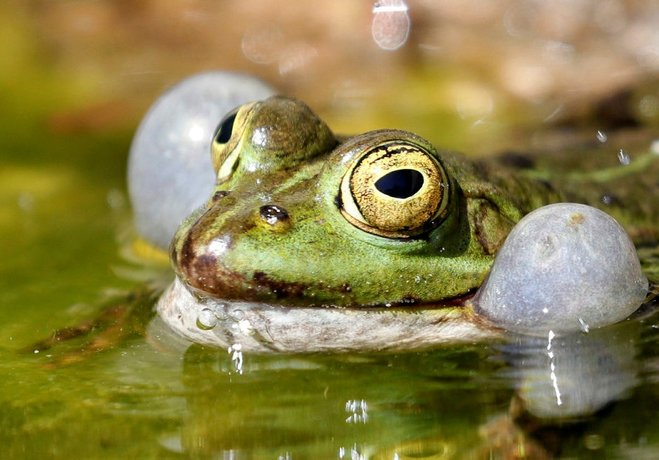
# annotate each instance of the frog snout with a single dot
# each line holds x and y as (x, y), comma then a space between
(274, 218)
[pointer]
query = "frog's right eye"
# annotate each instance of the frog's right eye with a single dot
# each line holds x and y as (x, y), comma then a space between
(226, 142)
(396, 189)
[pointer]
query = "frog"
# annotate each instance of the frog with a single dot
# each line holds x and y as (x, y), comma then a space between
(312, 241)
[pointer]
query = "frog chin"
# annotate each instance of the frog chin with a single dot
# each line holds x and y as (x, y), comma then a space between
(264, 327)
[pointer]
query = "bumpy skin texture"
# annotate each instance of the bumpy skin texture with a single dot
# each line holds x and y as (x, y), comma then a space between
(278, 226)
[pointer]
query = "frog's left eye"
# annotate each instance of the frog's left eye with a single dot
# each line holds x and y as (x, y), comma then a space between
(226, 140)
(225, 128)
(397, 189)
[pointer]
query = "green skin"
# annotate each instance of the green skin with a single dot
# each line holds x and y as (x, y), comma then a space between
(306, 252)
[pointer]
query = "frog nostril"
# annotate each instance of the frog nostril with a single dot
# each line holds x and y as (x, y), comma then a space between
(275, 217)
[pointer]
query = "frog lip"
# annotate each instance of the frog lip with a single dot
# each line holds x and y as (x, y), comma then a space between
(200, 266)
(266, 327)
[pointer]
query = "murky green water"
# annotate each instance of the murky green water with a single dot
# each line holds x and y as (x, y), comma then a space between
(63, 215)
(63, 220)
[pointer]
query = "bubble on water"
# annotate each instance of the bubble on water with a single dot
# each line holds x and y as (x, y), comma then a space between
(207, 319)
(564, 267)
(237, 314)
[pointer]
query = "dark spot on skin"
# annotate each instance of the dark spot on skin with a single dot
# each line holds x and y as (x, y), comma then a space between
(280, 289)
(516, 160)
(273, 214)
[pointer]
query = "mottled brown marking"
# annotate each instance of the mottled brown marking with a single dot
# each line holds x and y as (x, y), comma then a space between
(281, 289)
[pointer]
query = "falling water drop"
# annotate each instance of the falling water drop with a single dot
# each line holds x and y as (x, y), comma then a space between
(601, 136)
(391, 24)
(624, 158)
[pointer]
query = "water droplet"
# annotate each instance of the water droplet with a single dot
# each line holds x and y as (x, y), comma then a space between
(601, 136)
(624, 158)
(236, 352)
(207, 319)
(391, 24)
(358, 410)
(584, 326)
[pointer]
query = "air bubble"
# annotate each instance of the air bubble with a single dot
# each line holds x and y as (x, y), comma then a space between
(591, 278)
(207, 319)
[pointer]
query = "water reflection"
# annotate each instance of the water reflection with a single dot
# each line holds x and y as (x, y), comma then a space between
(575, 375)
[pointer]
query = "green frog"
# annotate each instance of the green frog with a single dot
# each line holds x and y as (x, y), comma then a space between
(312, 241)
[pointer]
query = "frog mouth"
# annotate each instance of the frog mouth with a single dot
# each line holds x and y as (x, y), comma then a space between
(203, 271)
(264, 327)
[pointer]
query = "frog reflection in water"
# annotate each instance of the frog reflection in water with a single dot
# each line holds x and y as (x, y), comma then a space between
(302, 218)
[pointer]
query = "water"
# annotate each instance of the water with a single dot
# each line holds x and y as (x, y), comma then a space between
(129, 390)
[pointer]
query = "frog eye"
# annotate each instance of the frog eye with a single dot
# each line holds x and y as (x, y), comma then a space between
(225, 128)
(226, 140)
(397, 189)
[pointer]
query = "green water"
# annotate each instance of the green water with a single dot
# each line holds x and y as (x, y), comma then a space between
(64, 217)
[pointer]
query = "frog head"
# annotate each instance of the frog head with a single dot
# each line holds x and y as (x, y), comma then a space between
(300, 216)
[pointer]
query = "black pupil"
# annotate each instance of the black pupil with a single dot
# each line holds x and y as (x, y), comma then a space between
(224, 130)
(402, 183)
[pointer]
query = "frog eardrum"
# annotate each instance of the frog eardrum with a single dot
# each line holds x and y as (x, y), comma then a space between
(396, 189)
